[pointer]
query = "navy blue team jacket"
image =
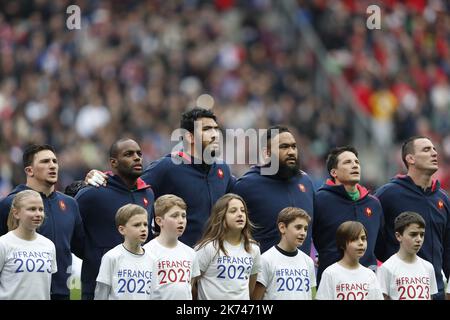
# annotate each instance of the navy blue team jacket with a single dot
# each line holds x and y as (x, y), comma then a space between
(266, 196)
(402, 194)
(98, 208)
(62, 225)
(199, 185)
(334, 206)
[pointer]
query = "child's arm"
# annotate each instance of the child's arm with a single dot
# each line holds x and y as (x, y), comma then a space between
(258, 292)
(102, 291)
(252, 283)
(195, 287)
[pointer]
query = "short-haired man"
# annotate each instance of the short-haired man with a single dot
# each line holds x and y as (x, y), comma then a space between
(418, 192)
(98, 207)
(62, 223)
(341, 199)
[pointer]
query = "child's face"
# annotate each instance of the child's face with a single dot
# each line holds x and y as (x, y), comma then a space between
(356, 248)
(412, 238)
(173, 222)
(235, 217)
(136, 229)
(295, 232)
(31, 213)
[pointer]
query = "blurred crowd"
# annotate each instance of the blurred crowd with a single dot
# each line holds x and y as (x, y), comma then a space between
(134, 66)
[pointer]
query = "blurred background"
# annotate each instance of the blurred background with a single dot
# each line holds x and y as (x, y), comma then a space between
(135, 66)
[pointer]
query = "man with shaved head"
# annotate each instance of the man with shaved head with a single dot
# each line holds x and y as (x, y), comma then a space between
(98, 207)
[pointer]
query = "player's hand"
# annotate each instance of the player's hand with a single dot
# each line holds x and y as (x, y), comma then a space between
(96, 178)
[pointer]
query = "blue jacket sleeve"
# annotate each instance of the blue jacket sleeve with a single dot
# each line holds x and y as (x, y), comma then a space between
(446, 244)
(77, 242)
(154, 176)
(5, 206)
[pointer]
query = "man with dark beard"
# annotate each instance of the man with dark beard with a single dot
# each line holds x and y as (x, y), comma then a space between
(98, 207)
(267, 195)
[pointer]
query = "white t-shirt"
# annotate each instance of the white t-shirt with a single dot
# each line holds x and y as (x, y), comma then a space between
(174, 269)
(227, 277)
(287, 277)
(26, 267)
(407, 281)
(339, 283)
(129, 275)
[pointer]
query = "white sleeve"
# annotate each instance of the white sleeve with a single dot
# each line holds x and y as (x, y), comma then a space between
(2, 255)
(312, 273)
(384, 279)
(433, 283)
(325, 290)
(195, 272)
(204, 256)
(266, 272)
(256, 268)
(374, 290)
(105, 271)
(102, 291)
(54, 264)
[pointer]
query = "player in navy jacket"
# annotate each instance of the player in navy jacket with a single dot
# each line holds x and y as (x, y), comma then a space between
(199, 185)
(193, 174)
(98, 207)
(266, 195)
(62, 223)
(342, 199)
(418, 192)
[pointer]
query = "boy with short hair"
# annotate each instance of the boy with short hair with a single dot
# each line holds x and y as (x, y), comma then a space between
(174, 265)
(126, 270)
(406, 276)
(287, 273)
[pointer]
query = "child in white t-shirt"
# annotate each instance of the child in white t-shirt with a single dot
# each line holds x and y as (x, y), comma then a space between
(228, 257)
(27, 259)
(287, 273)
(174, 265)
(406, 276)
(126, 270)
(347, 279)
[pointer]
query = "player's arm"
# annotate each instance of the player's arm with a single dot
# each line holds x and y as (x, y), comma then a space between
(258, 292)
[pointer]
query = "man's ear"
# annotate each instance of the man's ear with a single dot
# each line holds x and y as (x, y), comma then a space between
(189, 137)
(121, 229)
(113, 162)
(333, 173)
(398, 236)
(29, 171)
(409, 158)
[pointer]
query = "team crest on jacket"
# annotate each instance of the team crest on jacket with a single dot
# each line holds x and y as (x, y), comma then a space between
(62, 205)
(440, 204)
(145, 202)
(368, 212)
(301, 187)
(220, 173)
